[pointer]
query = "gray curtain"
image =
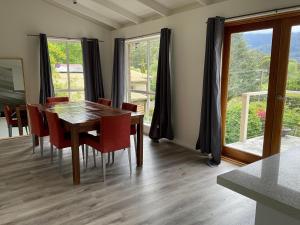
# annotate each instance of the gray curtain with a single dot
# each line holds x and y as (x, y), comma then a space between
(209, 140)
(92, 70)
(46, 85)
(118, 80)
(161, 125)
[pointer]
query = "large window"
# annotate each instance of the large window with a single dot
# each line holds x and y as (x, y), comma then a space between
(67, 69)
(142, 63)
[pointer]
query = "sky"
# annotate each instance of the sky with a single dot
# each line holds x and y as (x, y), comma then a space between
(295, 29)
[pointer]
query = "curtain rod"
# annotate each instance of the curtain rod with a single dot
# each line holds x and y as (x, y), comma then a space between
(263, 12)
(67, 38)
(141, 36)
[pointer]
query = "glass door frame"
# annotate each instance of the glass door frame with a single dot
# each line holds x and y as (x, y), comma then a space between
(281, 25)
(281, 82)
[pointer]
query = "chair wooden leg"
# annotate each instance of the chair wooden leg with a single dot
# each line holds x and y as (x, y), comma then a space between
(86, 155)
(94, 154)
(26, 129)
(42, 146)
(33, 143)
(129, 160)
(103, 156)
(51, 149)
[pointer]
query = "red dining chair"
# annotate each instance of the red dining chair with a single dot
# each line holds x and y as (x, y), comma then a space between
(133, 108)
(51, 100)
(115, 135)
(12, 121)
(38, 126)
(58, 136)
(104, 101)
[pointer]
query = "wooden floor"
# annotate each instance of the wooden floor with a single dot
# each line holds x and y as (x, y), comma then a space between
(173, 187)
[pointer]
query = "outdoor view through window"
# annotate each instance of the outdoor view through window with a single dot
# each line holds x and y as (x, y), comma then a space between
(142, 72)
(250, 54)
(67, 69)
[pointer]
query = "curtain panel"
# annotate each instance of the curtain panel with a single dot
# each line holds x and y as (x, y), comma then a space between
(118, 80)
(161, 125)
(209, 140)
(46, 84)
(92, 69)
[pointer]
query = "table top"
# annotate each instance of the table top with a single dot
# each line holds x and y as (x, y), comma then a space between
(274, 181)
(84, 111)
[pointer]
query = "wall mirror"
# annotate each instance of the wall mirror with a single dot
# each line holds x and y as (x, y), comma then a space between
(13, 118)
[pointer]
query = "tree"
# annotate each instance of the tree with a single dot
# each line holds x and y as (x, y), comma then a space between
(247, 68)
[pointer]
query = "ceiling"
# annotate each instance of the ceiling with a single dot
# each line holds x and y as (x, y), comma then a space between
(120, 13)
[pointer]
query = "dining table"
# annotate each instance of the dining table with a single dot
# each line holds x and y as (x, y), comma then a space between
(84, 116)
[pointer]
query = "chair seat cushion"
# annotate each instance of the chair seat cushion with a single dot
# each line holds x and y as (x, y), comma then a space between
(94, 142)
(66, 141)
(14, 122)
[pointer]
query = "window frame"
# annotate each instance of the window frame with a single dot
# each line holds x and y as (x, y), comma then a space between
(68, 90)
(128, 90)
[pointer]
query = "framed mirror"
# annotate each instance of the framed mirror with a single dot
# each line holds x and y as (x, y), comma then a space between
(13, 115)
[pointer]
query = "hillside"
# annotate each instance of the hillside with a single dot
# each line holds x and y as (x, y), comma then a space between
(260, 41)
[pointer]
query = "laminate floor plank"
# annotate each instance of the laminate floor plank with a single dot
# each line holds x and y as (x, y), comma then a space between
(173, 187)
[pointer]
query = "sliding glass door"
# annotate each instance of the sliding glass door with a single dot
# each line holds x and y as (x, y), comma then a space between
(261, 87)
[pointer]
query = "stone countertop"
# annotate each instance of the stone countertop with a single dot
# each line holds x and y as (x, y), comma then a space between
(274, 182)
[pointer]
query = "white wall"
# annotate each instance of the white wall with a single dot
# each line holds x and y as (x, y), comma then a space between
(21, 17)
(189, 31)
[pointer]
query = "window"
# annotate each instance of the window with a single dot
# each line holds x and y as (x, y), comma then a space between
(261, 87)
(141, 70)
(67, 68)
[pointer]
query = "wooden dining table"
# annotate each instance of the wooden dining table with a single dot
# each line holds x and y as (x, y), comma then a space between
(79, 117)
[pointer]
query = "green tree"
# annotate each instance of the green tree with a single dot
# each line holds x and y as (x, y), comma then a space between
(248, 68)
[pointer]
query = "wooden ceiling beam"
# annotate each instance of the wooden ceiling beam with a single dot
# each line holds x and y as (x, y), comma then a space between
(115, 8)
(156, 6)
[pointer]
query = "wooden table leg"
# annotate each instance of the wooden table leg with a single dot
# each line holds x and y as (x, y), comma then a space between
(139, 152)
(75, 155)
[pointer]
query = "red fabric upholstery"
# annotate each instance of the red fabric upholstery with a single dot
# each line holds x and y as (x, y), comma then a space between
(58, 136)
(38, 126)
(8, 116)
(133, 108)
(57, 99)
(14, 121)
(104, 101)
(115, 134)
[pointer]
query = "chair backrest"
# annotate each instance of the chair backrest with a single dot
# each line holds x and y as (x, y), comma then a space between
(129, 107)
(57, 99)
(36, 120)
(8, 114)
(115, 132)
(104, 101)
(55, 128)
